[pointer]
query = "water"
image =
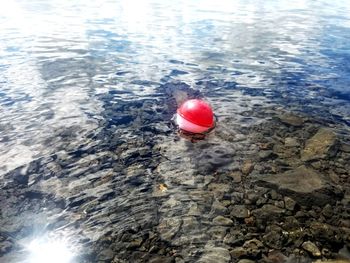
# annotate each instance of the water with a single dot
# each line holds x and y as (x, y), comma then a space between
(91, 164)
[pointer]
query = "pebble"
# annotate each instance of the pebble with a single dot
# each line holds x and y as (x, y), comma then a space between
(311, 248)
(169, 227)
(246, 261)
(291, 142)
(291, 119)
(320, 145)
(236, 176)
(222, 221)
(217, 208)
(289, 203)
(106, 254)
(239, 211)
(215, 255)
(264, 155)
(327, 210)
(247, 167)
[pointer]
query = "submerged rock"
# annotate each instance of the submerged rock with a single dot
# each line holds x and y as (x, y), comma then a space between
(311, 248)
(251, 248)
(291, 119)
(215, 255)
(222, 221)
(267, 212)
(239, 211)
(289, 203)
(305, 185)
(319, 146)
(247, 167)
(169, 227)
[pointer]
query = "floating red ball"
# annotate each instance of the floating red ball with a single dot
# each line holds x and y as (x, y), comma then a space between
(196, 116)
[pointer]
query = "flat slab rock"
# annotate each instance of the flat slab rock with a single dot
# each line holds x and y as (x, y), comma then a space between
(319, 146)
(305, 185)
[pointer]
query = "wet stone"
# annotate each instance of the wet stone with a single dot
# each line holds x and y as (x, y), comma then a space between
(274, 237)
(247, 167)
(264, 155)
(217, 232)
(222, 221)
(236, 176)
(135, 243)
(291, 119)
(194, 210)
(251, 248)
(319, 146)
(325, 232)
(215, 255)
(169, 227)
(305, 185)
(218, 209)
(291, 142)
(239, 211)
(190, 223)
(234, 240)
(161, 259)
(267, 212)
(276, 256)
(246, 261)
(106, 255)
(289, 203)
(327, 210)
(5, 247)
(215, 187)
(311, 248)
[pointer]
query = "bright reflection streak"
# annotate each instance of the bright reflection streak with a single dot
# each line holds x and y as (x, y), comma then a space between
(45, 250)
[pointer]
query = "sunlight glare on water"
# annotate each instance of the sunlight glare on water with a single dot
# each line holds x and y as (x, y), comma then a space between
(87, 145)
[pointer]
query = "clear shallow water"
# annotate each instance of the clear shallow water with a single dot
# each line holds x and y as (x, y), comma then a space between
(88, 153)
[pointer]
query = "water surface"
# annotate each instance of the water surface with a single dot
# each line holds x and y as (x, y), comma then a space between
(90, 158)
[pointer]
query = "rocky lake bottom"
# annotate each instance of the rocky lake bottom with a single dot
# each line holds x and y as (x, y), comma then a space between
(276, 191)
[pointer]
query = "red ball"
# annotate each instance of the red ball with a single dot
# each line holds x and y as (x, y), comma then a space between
(198, 112)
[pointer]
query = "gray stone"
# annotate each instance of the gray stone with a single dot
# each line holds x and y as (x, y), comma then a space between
(319, 146)
(290, 142)
(246, 261)
(327, 211)
(268, 212)
(236, 176)
(106, 254)
(239, 211)
(264, 155)
(345, 147)
(289, 203)
(305, 185)
(274, 237)
(217, 232)
(194, 210)
(251, 248)
(135, 243)
(311, 248)
(215, 187)
(218, 209)
(190, 223)
(160, 259)
(247, 167)
(234, 240)
(5, 247)
(222, 221)
(291, 119)
(215, 255)
(169, 227)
